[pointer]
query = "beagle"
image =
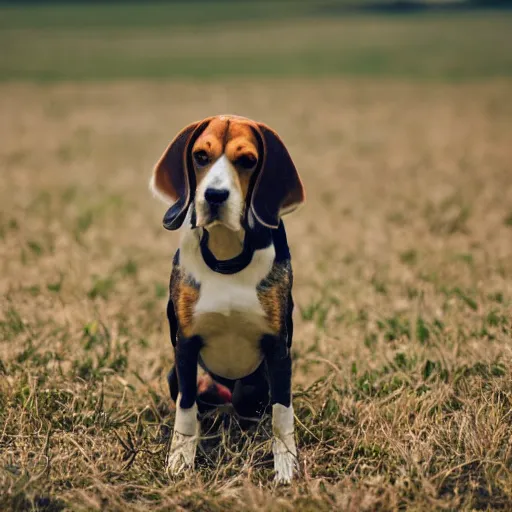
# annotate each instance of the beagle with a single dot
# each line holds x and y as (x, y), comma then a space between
(230, 180)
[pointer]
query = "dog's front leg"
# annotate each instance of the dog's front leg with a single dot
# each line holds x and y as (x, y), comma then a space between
(186, 426)
(279, 367)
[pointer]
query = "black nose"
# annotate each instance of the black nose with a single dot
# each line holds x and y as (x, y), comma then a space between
(216, 196)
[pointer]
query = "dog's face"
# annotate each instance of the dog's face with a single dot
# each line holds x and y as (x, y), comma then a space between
(231, 169)
(225, 157)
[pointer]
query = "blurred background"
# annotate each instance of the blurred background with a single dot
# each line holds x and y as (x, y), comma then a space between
(66, 40)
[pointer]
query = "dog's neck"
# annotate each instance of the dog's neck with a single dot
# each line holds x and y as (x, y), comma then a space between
(225, 243)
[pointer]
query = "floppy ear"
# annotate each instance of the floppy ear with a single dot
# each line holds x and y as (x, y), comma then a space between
(278, 189)
(172, 178)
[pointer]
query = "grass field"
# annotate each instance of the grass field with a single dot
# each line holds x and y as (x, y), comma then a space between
(230, 39)
(402, 255)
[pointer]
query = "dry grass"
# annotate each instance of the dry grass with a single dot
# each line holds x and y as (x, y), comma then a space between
(403, 260)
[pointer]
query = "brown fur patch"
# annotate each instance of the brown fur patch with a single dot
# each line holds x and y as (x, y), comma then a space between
(225, 243)
(269, 300)
(273, 295)
(184, 294)
(187, 300)
(242, 144)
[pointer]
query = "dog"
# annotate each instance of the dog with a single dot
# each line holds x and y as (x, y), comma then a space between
(229, 181)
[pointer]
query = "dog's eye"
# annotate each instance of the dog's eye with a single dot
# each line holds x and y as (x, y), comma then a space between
(201, 158)
(247, 161)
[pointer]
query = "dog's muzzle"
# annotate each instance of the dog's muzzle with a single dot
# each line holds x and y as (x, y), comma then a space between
(215, 198)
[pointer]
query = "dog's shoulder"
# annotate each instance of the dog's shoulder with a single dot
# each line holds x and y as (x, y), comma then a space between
(274, 291)
(183, 295)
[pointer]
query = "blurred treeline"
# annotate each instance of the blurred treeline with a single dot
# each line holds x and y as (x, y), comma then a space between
(322, 5)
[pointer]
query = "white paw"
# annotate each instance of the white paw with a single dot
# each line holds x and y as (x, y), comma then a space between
(285, 458)
(181, 454)
(283, 446)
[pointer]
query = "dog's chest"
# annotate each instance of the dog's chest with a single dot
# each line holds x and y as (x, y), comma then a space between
(228, 314)
(231, 342)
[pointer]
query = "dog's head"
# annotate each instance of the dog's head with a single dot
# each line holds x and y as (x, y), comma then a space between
(233, 169)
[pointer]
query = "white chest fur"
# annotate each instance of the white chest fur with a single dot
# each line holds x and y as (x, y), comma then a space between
(228, 315)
